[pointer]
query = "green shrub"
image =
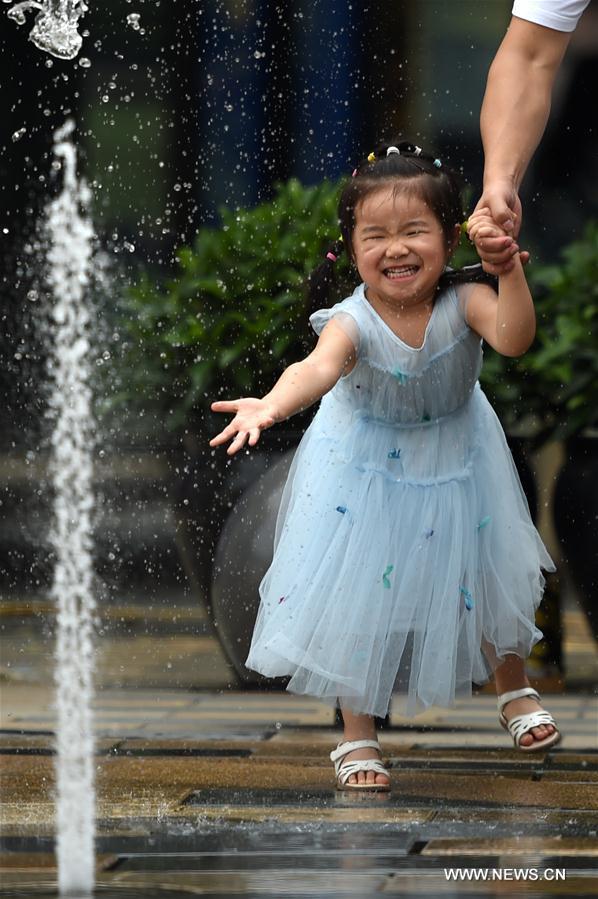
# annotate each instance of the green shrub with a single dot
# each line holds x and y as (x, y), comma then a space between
(235, 314)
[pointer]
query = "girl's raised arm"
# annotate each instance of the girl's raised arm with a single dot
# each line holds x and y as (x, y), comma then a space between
(299, 386)
(507, 321)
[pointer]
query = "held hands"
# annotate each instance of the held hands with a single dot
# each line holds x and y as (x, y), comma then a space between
(252, 416)
(495, 248)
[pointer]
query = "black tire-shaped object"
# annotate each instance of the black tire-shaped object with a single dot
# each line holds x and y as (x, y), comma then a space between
(243, 555)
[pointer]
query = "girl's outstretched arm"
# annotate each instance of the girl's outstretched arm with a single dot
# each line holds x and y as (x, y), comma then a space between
(299, 386)
(507, 321)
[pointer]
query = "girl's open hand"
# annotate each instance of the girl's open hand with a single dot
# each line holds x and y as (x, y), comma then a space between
(252, 417)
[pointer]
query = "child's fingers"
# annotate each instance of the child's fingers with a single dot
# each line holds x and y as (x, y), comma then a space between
(488, 230)
(498, 269)
(219, 439)
(237, 443)
(224, 435)
(225, 406)
(496, 249)
(254, 436)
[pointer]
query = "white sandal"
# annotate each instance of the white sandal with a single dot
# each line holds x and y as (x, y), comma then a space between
(522, 724)
(344, 772)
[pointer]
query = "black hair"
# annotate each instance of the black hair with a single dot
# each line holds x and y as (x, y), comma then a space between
(434, 182)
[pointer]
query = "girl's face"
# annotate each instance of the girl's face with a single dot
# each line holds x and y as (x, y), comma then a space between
(399, 247)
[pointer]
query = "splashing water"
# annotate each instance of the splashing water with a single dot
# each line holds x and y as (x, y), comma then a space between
(55, 26)
(69, 236)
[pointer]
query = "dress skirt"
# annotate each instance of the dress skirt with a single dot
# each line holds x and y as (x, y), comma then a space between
(405, 561)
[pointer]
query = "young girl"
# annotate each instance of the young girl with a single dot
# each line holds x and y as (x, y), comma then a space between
(404, 548)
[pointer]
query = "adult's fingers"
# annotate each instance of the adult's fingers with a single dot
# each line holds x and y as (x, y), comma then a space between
(502, 214)
(502, 200)
(254, 436)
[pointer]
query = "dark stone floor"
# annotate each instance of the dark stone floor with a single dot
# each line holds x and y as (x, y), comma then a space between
(205, 791)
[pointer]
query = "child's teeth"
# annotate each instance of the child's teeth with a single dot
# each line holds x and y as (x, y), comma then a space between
(408, 270)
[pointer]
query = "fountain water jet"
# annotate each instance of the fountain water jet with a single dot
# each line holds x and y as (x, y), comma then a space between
(69, 236)
(55, 26)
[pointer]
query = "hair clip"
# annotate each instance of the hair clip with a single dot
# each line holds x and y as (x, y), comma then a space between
(437, 163)
(393, 150)
(417, 151)
(354, 173)
(372, 157)
(331, 256)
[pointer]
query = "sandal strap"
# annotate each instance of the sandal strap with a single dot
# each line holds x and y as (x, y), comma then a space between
(343, 748)
(521, 724)
(344, 772)
(504, 698)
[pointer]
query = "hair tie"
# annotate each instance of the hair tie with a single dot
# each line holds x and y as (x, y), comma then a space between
(331, 256)
(437, 163)
(393, 150)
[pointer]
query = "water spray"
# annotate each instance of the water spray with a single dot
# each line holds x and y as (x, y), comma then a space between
(55, 29)
(69, 236)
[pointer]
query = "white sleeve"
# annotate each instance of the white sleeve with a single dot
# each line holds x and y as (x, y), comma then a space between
(320, 319)
(464, 292)
(561, 15)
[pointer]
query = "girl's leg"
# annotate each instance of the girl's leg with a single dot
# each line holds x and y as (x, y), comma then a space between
(511, 676)
(361, 727)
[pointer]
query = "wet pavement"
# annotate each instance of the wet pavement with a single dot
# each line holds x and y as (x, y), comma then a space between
(207, 790)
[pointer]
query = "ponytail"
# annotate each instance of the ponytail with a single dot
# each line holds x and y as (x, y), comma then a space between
(322, 280)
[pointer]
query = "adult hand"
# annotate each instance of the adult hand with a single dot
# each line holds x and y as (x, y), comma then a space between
(501, 204)
(504, 205)
(252, 416)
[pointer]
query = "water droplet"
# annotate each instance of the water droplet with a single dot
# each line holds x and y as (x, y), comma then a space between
(84, 62)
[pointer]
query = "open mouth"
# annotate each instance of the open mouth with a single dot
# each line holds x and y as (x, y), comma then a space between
(399, 272)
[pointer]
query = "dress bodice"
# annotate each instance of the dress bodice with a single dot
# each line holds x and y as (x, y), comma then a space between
(398, 383)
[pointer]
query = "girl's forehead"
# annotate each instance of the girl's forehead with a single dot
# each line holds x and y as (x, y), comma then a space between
(389, 203)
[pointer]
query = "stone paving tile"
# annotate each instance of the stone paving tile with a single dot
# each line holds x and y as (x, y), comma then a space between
(269, 883)
(190, 714)
(580, 777)
(540, 846)
(31, 862)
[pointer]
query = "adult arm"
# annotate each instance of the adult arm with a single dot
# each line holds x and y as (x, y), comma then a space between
(514, 114)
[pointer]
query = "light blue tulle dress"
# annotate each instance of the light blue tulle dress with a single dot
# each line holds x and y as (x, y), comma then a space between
(405, 557)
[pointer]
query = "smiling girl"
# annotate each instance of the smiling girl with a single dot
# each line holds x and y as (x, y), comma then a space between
(404, 547)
